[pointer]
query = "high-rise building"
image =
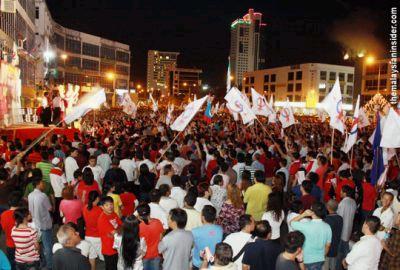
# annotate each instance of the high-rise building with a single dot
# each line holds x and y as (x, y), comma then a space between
(158, 63)
(183, 83)
(79, 58)
(17, 34)
(246, 53)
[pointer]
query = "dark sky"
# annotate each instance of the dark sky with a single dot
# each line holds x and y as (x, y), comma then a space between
(297, 31)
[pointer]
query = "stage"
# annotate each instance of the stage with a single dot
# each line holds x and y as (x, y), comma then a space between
(33, 131)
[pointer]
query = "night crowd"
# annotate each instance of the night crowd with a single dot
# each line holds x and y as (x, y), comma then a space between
(222, 196)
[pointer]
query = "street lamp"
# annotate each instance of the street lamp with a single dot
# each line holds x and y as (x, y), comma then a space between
(138, 86)
(370, 60)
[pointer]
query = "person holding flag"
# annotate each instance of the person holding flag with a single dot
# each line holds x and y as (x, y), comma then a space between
(207, 113)
(352, 137)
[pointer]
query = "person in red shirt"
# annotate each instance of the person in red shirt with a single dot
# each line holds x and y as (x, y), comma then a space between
(306, 198)
(88, 184)
(343, 180)
(321, 170)
(369, 195)
(7, 223)
(108, 225)
(295, 165)
(91, 213)
(35, 156)
(270, 165)
(151, 230)
(128, 200)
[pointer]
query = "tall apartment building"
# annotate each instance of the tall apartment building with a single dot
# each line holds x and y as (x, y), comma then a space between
(375, 77)
(247, 39)
(295, 82)
(18, 27)
(80, 58)
(158, 64)
(183, 83)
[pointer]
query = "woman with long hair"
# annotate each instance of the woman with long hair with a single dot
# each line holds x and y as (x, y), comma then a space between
(86, 186)
(91, 213)
(147, 182)
(274, 214)
(231, 210)
(71, 209)
(131, 248)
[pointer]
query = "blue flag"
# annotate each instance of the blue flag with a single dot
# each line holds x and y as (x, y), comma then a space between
(207, 113)
(377, 164)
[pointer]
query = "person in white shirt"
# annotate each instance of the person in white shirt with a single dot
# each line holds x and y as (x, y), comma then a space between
(296, 208)
(71, 165)
(151, 165)
(345, 164)
(238, 240)
(202, 200)
(239, 166)
(58, 182)
(222, 172)
(218, 191)
(46, 113)
(104, 159)
(274, 214)
(57, 107)
(181, 162)
(166, 202)
(87, 250)
(193, 216)
(97, 171)
(129, 166)
(156, 211)
(365, 254)
(385, 214)
(168, 161)
(166, 177)
(177, 192)
(283, 168)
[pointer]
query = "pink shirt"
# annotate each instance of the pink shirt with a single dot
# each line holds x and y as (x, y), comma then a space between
(71, 209)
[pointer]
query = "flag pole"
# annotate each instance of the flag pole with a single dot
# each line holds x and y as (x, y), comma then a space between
(332, 140)
(169, 145)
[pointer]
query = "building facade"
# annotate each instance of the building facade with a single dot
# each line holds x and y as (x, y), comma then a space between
(79, 58)
(246, 51)
(158, 64)
(376, 78)
(298, 82)
(17, 35)
(183, 83)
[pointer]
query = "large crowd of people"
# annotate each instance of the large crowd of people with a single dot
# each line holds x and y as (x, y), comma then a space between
(132, 194)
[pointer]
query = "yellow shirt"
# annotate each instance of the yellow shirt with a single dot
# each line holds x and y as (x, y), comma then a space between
(256, 197)
(117, 203)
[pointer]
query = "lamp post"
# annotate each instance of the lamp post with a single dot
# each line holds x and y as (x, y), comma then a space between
(64, 58)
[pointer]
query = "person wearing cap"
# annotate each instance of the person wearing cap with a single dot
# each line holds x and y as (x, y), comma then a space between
(58, 182)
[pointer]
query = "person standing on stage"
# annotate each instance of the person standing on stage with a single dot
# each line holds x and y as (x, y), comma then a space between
(46, 113)
(57, 103)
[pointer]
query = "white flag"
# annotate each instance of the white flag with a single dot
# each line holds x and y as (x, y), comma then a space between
(237, 104)
(272, 118)
(169, 114)
(90, 101)
(155, 104)
(186, 116)
(321, 115)
(260, 105)
(128, 106)
(391, 131)
(286, 116)
(215, 109)
(352, 138)
(332, 104)
(363, 120)
(245, 97)
(234, 114)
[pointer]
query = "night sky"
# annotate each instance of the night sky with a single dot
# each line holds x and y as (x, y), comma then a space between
(297, 31)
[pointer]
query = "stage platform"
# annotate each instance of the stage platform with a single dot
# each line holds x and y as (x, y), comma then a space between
(33, 131)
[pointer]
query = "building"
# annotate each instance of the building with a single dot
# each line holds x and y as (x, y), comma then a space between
(299, 82)
(158, 64)
(79, 58)
(183, 83)
(246, 52)
(17, 34)
(374, 77)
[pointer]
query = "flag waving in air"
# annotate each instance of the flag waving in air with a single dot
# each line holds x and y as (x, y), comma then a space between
(352, 138)
(391, 130)
(169, 114)
(260, 105)
(363, 120)
(286, 116)
(332, 104)
(237, 104)
(207, 112)
(377, 163)
(88, 102)
(128, 106)
(155, 104)
(187, 115)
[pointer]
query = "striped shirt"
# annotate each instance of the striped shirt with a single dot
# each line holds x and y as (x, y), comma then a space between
(25, 239)
(45, 167)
